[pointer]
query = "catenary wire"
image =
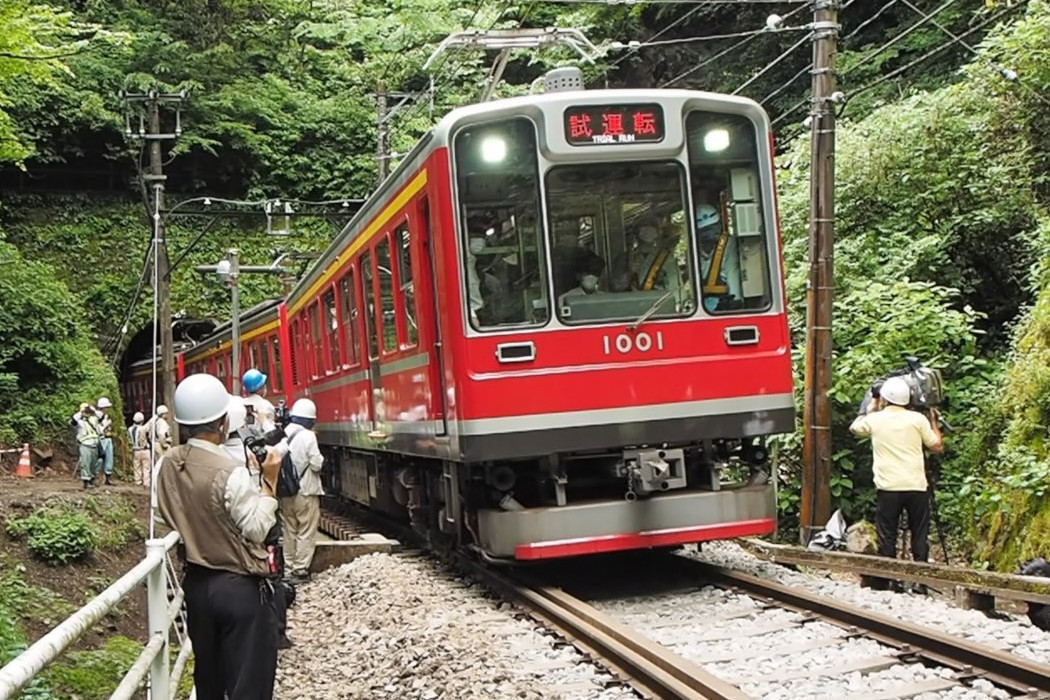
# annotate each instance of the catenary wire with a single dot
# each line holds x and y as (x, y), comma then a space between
(772, 63)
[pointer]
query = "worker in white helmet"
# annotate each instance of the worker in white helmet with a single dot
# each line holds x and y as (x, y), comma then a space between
(160, 432)
(897, 437)
(223, 520)
(302, 512)
(138, 438)
(104, 463)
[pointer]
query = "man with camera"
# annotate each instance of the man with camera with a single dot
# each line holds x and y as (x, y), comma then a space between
(224, 521)
(897, 438)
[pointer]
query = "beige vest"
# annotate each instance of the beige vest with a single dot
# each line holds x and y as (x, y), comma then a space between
(191, 488)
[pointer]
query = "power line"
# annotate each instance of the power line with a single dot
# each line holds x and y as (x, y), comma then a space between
(871, 56)
(724, 52)
(790, 81)
(660, 33)
(774, 62)
(865, 23)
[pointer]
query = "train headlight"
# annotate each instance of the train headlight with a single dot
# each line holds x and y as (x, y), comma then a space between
(716, 140)
(493, 149)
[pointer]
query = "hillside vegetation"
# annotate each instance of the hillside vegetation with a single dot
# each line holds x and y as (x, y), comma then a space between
(942, 246)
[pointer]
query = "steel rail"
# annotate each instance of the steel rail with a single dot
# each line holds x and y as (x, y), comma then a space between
(646, 665)
(973, 659)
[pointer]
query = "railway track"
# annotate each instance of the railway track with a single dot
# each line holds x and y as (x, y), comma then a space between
(679, 656)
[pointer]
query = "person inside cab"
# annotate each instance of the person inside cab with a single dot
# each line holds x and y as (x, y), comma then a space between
(572, 261)
(719, 263)
(650, 260)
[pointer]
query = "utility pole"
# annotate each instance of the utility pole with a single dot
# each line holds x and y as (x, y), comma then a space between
(154, 180)
(816, 467)
(229, 271)
(382, 149)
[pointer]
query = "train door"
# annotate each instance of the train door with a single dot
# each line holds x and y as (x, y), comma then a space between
(371, 339)
(428, 266)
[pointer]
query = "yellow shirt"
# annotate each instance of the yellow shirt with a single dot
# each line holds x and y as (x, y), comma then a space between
(897, 437)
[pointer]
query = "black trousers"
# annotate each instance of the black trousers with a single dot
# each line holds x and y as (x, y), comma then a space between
(233, 627)
(888, 515)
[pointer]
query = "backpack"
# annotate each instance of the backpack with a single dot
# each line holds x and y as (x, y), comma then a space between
(288, 477)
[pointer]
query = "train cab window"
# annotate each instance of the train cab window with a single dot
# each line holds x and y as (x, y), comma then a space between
(348, 298)
(404, 276)
(316, 343)
(729, 212)
(501, 230)
(386, 295)
(370, 306)
(620, 247)
(331, 325)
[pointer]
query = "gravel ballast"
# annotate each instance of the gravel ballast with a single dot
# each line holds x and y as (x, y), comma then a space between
(388, 626)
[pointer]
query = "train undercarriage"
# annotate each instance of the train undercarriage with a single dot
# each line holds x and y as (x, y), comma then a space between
(568, 504)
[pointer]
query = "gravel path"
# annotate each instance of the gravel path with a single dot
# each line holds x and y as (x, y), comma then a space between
(1016, 635)
(388, 626)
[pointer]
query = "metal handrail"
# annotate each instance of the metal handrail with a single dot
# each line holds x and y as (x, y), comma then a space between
(154, 657)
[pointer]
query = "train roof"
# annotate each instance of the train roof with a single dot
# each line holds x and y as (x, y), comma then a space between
(250, 319)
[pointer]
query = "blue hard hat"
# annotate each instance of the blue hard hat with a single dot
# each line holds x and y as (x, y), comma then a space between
(253, 380)
(706, 215)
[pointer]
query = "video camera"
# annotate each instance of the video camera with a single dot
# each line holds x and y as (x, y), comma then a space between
(924, 382)
(283, 415)
(257, 443)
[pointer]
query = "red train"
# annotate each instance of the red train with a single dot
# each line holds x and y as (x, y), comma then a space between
(558, 328)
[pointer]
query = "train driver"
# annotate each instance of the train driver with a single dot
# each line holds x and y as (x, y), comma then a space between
(719, 264)
(650, 261)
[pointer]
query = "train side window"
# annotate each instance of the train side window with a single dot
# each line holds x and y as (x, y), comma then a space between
(370, 306)
(351, 317)
(277, 380)
(729, 212)
(330, 319)
(264, 361)
(220, 370)
(297, 353)
(404, 277)
(316, 341)
(501, 231)
(386, 295)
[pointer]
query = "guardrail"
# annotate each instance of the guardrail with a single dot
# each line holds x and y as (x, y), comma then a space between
(152, 661)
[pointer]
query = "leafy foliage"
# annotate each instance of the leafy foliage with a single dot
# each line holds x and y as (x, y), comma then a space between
(90, 674)
(17, 600)
(57, 536)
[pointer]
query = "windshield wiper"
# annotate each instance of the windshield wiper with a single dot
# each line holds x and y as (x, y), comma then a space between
(652, 309)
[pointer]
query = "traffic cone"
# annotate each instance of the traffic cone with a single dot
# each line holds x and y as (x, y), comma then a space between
(25, 467)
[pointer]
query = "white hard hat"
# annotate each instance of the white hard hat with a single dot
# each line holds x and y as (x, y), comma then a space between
(138, 417)
(237, 414)
(304, 408)
(162, 410)
(104, 403)
(896, 391)
(200, 399)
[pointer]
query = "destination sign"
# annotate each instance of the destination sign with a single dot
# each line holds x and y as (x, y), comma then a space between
(603, 125)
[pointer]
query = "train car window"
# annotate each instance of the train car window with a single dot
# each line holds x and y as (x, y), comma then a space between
(501, 233)
(277, 380)
(370, 306)
(386, 295)
(316, 342)
(408, 291)
(348, 298)
(297, 354)
(220, 370)
(728, 216)
(331, 325)
(264, 361)
(619, 241)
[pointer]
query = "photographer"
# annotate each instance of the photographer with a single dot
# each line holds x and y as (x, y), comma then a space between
(897, 437)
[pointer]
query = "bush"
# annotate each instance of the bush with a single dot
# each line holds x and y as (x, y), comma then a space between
(57, 536)
(92, 675)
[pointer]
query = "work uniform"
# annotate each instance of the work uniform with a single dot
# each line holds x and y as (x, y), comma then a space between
(104, 461)
(265, 413)
(897, 439)
(723, 279)
(138, 438)
(88, 434)
(223, 520)
(161, 435)
(302, 513)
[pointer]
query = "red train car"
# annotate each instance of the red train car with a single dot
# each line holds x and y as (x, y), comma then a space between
(558, 328)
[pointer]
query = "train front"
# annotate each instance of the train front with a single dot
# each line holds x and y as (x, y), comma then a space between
(625, 348)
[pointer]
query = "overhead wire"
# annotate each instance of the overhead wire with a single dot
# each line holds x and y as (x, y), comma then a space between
(784, 54)
(868, 58)
(706, 62)
(659, 34)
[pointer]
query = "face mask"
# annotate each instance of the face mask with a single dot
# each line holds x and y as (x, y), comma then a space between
(476, 245)
(589, 284)
(648, 234)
